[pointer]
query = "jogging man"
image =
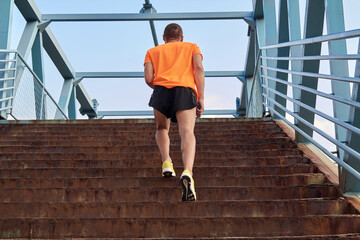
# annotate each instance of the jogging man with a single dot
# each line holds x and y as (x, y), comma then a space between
(175, 71)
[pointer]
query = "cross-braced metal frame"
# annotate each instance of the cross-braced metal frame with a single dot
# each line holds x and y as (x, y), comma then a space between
(278, 59)
(37, 34)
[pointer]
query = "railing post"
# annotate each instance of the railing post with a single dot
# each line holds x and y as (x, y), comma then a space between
(250, 100)
(314, 24)
(72, 105)
(267, 35)
(295, 51)
(282, 52)
(6, 12)
(335, 24)
(65, 96)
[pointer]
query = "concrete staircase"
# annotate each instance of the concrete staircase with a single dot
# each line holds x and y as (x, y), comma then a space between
(102, 179)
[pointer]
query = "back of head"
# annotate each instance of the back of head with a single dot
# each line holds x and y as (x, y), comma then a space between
(173, 31)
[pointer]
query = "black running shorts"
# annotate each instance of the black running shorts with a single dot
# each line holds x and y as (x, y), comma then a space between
(170, 100)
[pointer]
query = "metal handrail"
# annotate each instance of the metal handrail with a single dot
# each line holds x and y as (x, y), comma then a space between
(315, 75)
(270, 103)
(311, 90)
(6, 89)
(6, 99)
(8, 51)
(322, 133)
(329, 154)
(7, 69)
(10, 60)
(6, 79)
(324, 57)
(326, 38)
(317, 112)
(17, 56)
(5, 108)
(41, 84)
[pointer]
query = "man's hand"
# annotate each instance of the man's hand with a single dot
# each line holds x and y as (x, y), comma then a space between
(200, 107)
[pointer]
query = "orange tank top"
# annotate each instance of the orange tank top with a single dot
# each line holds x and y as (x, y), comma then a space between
(173, 64)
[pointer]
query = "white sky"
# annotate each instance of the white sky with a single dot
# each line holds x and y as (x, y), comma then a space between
(121, 46)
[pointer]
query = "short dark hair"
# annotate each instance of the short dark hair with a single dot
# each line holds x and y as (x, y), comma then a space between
(173, 31)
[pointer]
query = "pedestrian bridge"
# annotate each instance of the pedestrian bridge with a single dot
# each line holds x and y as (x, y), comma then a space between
(281, 79)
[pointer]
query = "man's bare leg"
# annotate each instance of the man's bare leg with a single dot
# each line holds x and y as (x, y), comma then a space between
(186, 122)
(162, 135)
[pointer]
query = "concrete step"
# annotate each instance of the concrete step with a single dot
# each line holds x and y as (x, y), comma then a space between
(119, 142)
(276, 208)
(211, 162)
(232, 134)
(161, 193)
(150, 155)
(52, 138)
(179, 227)
(113, 182)
(156, 171)
(145, 148)
(94, 163)
(128, 127)
(102, 179)
(93, 126)
(313, 237)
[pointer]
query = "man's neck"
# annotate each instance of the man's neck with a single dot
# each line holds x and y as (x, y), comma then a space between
(173, 40)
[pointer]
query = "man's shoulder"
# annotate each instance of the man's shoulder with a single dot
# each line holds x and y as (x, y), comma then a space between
(171, 45)
(190, 44)
(156, 48)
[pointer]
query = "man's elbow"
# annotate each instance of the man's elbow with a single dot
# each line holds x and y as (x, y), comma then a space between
(149, 80)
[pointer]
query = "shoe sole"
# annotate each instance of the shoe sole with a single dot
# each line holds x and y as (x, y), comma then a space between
(187, 194)
(167, 173)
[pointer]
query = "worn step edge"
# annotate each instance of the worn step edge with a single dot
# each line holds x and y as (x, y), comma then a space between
(203, 227)
(34, 163)
(276, 208)
(309, 237)
(145, 194)
(245, 181)
(147, 172)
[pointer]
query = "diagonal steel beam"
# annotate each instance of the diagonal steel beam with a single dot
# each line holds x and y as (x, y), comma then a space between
(57, 55)
(24, 48)
(29, 10)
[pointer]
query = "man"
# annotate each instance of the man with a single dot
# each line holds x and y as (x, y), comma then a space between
(175, 71)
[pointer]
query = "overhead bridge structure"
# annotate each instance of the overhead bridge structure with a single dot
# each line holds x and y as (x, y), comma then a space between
(290, 55)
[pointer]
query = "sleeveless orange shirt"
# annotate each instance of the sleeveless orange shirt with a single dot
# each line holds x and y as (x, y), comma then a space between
(173, 64)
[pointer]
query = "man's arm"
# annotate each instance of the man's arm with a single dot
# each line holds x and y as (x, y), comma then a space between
(200, 83)
(149, 74)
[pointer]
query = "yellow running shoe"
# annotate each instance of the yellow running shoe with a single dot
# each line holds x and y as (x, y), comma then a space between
(188, 187)
(168, 169)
